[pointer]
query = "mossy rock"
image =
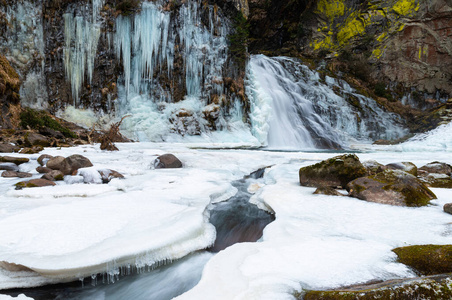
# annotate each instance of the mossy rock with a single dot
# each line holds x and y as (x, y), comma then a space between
(437, 287)
(35, 119)
(392, 187)
(333, 172)
(426, 259)
(438, 180)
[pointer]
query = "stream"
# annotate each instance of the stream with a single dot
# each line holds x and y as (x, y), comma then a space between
(236, 221)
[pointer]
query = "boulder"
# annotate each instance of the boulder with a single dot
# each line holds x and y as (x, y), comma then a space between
(107, 175)
(426, 259)
(448, 208)
(404, 166)
(55, 163)
(43, 159)
(34, 183)
(43, 170)
(437, 167)
(437, 180)
(392, 187)
(36, 139)
(373, 167)
(8, 148)
(167, 161)
(333, 172)
(327, 191)
(11, 174)
(9, 167)
(14, 160)
(74, 162)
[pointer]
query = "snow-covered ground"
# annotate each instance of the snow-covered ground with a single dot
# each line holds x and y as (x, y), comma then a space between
(68, 231)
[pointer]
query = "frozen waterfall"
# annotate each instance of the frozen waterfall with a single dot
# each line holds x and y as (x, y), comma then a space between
(291, 107)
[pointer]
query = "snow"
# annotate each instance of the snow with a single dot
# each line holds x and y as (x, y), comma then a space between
(75, 229)
(19, 297)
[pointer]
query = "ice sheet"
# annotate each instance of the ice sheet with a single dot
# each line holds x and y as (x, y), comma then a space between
(69, 231)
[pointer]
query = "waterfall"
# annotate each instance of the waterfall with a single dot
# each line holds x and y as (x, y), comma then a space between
(291, 107)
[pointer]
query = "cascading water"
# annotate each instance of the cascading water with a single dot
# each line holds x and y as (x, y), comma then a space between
(292, 108)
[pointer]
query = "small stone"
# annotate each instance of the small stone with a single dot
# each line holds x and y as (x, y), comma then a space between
(32, 150)
(329, 191)
(14, 160)
(167, 161)
(448, 208)
(11, 174)
(34, 183)
(107, 175)
(54, 175)
(43, 159)
(43, 170)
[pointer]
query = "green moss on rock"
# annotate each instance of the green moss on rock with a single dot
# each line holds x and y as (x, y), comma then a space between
(333, 172)
(426, 259)
(428, 288)
(39, 119)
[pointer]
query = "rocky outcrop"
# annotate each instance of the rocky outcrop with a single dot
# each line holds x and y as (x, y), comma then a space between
(399, 50)
(426, 259)
(9, 95)
(333, 172)
(392, 187)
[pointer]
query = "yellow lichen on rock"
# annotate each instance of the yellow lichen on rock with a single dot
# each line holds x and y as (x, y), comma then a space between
(405, 7)
(355, 25)
(331, 9)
